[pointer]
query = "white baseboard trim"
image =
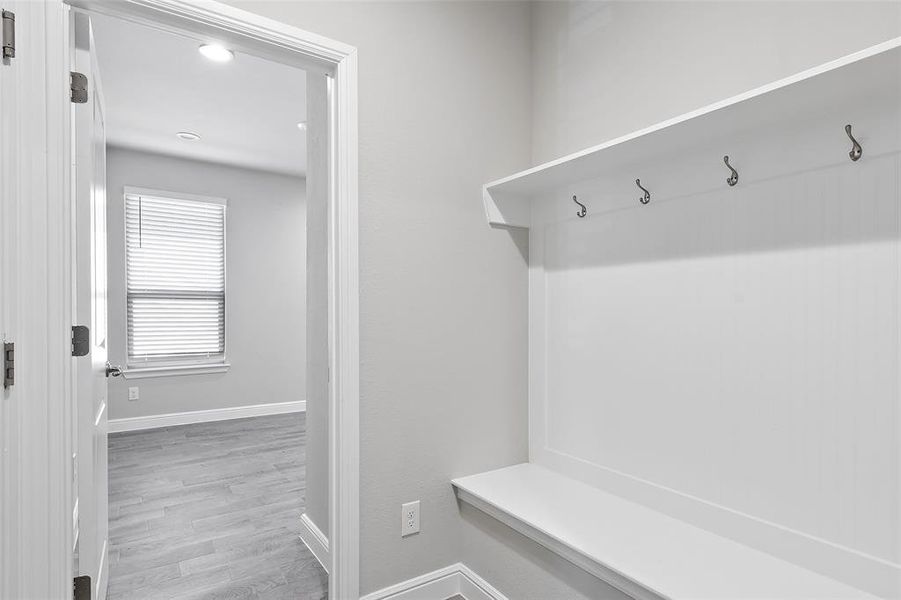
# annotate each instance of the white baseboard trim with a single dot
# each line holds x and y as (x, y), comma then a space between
(453, 580)
(315, 540)
(474, 587)
(204, 416)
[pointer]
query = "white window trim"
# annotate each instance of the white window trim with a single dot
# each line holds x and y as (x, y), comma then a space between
(199, 365)
(175, 370)
(129, 190)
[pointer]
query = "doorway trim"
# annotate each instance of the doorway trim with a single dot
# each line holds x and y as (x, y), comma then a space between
(249, 32)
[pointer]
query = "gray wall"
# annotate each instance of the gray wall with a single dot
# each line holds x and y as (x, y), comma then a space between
(446, 103)
(444, 107)
(317, 491)
(603, 69)
(266, 282)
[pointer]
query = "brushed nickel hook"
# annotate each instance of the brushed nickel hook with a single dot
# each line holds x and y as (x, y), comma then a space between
(647, 195)
(582, 211)
(856, 151)
(732, 179)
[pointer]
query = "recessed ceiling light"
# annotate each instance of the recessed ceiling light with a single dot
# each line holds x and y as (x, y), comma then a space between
(216, 53)
(302, 125)
(188, 135)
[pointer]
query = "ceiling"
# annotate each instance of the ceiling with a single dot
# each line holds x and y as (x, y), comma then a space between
(156, 83)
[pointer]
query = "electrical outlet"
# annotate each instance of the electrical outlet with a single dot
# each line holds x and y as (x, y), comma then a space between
(133, 394)
(409, 518)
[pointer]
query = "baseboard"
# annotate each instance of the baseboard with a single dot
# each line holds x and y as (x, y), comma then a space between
(453, 580)
(474, 587)
(315, 540)
(437, 585)
(204, 416)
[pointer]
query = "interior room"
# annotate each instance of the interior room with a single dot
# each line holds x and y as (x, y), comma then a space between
(522, 300)
(205, 159)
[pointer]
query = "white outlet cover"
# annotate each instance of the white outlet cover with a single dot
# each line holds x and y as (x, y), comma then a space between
(409, 518)
(133, 393)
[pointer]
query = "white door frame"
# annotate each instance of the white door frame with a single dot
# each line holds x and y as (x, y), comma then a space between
(35, 217)
(248, 32)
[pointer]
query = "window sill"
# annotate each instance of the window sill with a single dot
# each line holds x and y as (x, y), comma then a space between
(174, 370)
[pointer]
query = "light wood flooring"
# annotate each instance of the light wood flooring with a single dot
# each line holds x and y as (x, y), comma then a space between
(211, 511)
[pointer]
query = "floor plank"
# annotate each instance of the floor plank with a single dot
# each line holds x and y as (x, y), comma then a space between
(211, 511)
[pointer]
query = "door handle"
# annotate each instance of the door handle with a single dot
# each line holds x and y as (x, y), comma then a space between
(113, 370)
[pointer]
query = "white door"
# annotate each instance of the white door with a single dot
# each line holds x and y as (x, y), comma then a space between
(89, 150)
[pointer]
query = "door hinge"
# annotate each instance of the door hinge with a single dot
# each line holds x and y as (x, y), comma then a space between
(81, 340)
(9, 34)
(78, 87)
(9, 364)
(82, 587)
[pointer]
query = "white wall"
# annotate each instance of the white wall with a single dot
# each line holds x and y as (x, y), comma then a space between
(266, 285)
(729, 357)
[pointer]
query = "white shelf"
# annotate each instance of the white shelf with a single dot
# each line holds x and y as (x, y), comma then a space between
(847, 88)
(644, 553)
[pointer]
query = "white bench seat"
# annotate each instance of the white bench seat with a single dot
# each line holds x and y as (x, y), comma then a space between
(645, 553)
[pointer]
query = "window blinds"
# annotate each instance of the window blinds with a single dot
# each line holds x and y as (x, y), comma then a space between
(175, 268)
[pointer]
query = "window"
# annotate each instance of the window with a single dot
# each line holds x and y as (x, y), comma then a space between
(175, 270)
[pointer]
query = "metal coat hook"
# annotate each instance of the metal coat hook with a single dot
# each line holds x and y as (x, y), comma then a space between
(647, 195)
(582, 211)
(856, 151)
(732, 179)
